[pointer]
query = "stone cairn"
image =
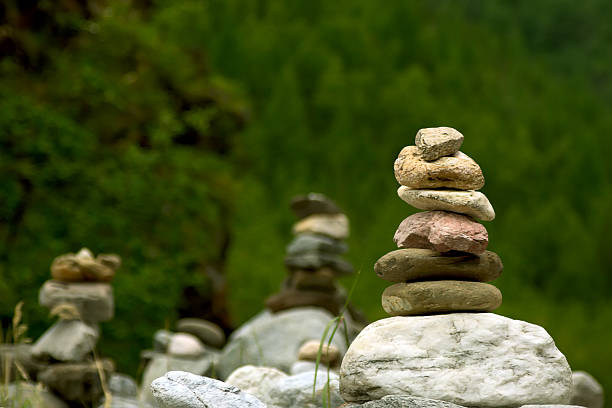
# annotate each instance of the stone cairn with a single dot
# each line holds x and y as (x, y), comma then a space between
(81, 296)
(436, 346)
(313, 257)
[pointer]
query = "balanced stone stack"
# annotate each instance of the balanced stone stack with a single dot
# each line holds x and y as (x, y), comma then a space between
(81, 296)
(436, 345)
(314, 256)
(443, 263)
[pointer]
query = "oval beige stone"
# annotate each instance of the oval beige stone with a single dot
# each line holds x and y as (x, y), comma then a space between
(332, 225)
(419, 298)
(458, 171)
(310, 350)
(472, 203)
(413, 264)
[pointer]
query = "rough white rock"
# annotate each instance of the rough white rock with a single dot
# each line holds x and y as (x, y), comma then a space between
(473, 203)
(160, 364)
(472, 359)
(273, 340)
(586, 391)
(67, 340)
(178, 389)
(185, 345)
(258, 381)
(404, 401)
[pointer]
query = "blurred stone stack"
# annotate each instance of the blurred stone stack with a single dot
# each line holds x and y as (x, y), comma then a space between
(432, 348)
(443, 263)
(81, 296)
(314, 257)
(193, 348)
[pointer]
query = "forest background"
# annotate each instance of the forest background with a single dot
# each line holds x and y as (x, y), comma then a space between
(174, 133)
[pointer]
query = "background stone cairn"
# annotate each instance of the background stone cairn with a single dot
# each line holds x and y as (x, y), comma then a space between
(81, 296)
(435, 346)
(314, 257)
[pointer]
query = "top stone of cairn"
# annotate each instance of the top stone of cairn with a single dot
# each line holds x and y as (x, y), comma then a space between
(433, 143)
(313, 203)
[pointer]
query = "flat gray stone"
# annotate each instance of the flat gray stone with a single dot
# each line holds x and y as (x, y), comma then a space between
(67, 341)
(317, 260)
(161, 340)
(179, 389)
(208, 332)
(307, 242)
(76, 382)
(412, 264)
(313, 203)
(93, 301)
(471, 359)
(472, 203)
(586, 391)
(122, 385)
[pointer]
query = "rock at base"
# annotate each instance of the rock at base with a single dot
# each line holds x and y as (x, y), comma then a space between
(76, 381)
(471, 359)
(417, 298)
(404, 401)
(586, 391)
(178, 389)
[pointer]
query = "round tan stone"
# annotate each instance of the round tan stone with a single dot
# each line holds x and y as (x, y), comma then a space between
(332, 225)
(310, 350)
(472, 203)
(412, 264)
(458, 171)
(418, 298)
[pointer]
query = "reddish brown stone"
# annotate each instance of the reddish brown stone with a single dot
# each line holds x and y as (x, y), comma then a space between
(442, 231)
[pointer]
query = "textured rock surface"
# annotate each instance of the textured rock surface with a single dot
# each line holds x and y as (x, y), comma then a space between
(160, 364)
(442, 231)
(273, 340)
(178, 389)
(206, 331)
(78, 382)
(315, 243)
(94, 301)
(412, 264)
(289, 299)
(310, 350)
(332, 225)
(185, 345)
(416, 298)
(472, 359)
(586, 391)
(66, 340)
(257, 381)
(433, 143)
(317, 260)
(472, 203)
(313, 203)
(458, 171)
(404, 401)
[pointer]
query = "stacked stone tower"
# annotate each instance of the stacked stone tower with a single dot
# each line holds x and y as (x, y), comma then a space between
(437, 346)
(313, 258)
(81, 296)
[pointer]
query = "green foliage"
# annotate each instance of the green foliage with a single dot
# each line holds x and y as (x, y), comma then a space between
(120, 134)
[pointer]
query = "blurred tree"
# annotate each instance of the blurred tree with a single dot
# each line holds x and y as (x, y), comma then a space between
(116, 137)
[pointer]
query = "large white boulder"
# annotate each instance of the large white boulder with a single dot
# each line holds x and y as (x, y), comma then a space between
(274, 340)
(472, 359)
